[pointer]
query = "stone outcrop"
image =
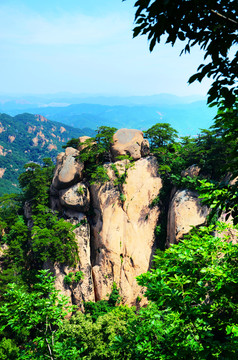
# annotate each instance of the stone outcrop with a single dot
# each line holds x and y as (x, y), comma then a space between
(72, 198)
(185, 211)
(68, 169)
(114, 222)
(82, 139)
(123, 229)
(192, 171)
(129, 142)
(76, 197)
(2, 171)
(116, 241)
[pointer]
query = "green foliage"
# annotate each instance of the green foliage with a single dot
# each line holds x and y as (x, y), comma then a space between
(48, 237)
(162, 200)
(120, 171)
(74, 143)
(226, 125)
(73, 278)
(194, 309)
(9, 209)
(162, 138)
(95, 152)
(186, 182)
(122, 197)
(8, 349)
(33, 318)
(53, 239)
(99, 175)
(96, 337)
(99, 308)
(96, 309)
(161, 135)
(80, 190)
(36, 181)
(104, 137)
(221, 198)
(211, 26)
(114, 297)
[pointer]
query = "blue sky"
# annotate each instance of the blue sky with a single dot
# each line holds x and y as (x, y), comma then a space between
(86, 46)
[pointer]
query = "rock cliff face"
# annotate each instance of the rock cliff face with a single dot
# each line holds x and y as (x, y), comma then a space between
(123, 230)
(185, 211)
(115, 222)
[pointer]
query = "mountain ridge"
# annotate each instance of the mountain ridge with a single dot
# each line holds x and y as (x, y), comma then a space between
(185, 114)
(30, 138)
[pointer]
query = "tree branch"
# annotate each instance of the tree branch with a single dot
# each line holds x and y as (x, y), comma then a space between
(224, 17)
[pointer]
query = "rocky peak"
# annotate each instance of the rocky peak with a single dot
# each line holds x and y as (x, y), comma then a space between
(116, 239)
(129, 142)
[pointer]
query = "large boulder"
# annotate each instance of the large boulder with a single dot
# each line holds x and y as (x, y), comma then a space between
(82, 140)
(68, 169)
(129, 142)
(122, 238)
(185, 211)
(76, 197)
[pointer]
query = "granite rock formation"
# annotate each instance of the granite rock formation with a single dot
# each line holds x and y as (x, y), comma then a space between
(123, 229)
(129, 142)
(185, 211)
(116, 238)
(68, 169)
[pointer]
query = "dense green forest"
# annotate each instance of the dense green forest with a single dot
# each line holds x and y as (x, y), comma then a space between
(192, 287)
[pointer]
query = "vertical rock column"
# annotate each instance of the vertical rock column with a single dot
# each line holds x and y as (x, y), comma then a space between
(70, 195)
(185, 211)
(123, 230)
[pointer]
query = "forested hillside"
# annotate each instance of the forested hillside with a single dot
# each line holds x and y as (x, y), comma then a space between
(28, 137)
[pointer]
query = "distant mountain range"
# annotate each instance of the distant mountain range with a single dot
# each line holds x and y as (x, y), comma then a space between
(26, 138)
(186, 114)
(30, 137)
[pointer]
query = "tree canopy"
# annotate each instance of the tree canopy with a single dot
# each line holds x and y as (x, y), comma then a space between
(213, 26)
(210, 24)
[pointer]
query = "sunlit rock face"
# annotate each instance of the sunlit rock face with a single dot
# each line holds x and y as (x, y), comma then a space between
(68, 170)
(115, 222)
(185, 211)
(129, 142)
(76, 197)
(122, 238)
(72, 198)
(116, 237)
